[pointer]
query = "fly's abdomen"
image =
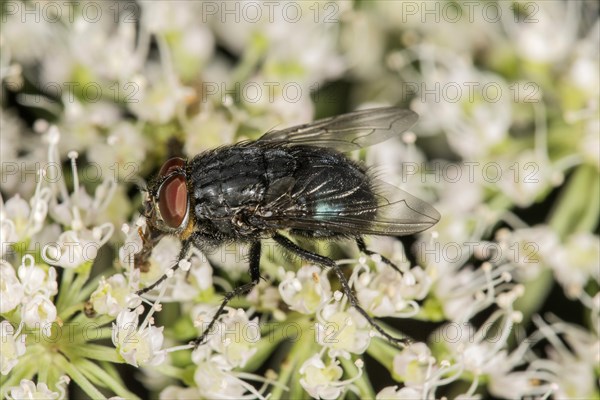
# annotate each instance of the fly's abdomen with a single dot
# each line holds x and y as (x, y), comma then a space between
(327, 185)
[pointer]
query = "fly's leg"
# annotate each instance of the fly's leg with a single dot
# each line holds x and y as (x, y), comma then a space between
(185, 248)
(360, 242)
(245, 288)
(329, 263)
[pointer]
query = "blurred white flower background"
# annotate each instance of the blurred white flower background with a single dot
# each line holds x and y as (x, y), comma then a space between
(500, 298)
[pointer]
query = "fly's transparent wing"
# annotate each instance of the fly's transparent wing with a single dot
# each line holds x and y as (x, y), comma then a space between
(348, 132)
(392, 212)
(398, 212)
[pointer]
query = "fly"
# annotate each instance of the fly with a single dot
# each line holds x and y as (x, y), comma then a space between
(295, 180)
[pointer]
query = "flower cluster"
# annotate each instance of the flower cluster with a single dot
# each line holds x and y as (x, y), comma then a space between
(500, 298)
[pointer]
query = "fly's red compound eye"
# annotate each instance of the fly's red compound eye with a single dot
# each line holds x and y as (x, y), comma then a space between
(172, 200)
(171, 165)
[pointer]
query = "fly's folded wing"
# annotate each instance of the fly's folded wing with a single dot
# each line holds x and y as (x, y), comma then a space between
(376, 209)
(347, 132)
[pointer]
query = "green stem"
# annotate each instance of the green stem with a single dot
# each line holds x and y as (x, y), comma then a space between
(171, 371)
(68, 312)
(91, 368)
(78, 377)
(577, 210)
(578, 206)
(65, 288)
(249, 61)
(363, 384)
(94, 352)
(383, 352)
(269, 341)
(300, 351)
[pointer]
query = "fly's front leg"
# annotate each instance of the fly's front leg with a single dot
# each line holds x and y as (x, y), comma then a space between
(255, 277)
(329, 263)
(185, 248)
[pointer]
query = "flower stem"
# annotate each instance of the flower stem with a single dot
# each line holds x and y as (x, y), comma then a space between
(577, 210)
(363, 384)
(579, 205)
(300, 351)
(79, 377)
(90, 368)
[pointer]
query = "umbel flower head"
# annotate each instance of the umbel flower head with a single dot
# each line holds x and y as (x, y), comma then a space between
(95, 96)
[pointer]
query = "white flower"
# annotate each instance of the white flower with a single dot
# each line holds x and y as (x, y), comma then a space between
(386, 292)
(285, 44)
(132, 243)
(138, 346)
(235, 339)
(12, 346)
(572, 372)
(342, 331)
(82, 123)
(35, 279)
(187, 285)
(465, 292)
(585, 63)
(474, 350)
(318, 379)
(79, 210)
(266, 297)
(26, 221)
(305, 290)
(122, 153)
(76, 247)
(529, 249)
(8, 235)
(475, 119)
(216, 130)
(179, 393)
(39, 312)
(157, 98)
(414, 364)
(537, 39)
(164, 255)
(106, 49)
(182, 286)
(111, 296)
(19, 211)
(323, 381)
(164, 17)
(17, 155)
(393, 393)
(11, 290)
(576, 263)
(516, 385)
(214, 382)
(29, 390)
(525, 177)
(27, 40)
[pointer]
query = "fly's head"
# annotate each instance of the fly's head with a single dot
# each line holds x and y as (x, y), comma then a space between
(167, 208)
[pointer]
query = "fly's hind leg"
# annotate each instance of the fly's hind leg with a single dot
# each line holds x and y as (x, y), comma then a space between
(329, 263)
(360, 242)
(238, 291)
